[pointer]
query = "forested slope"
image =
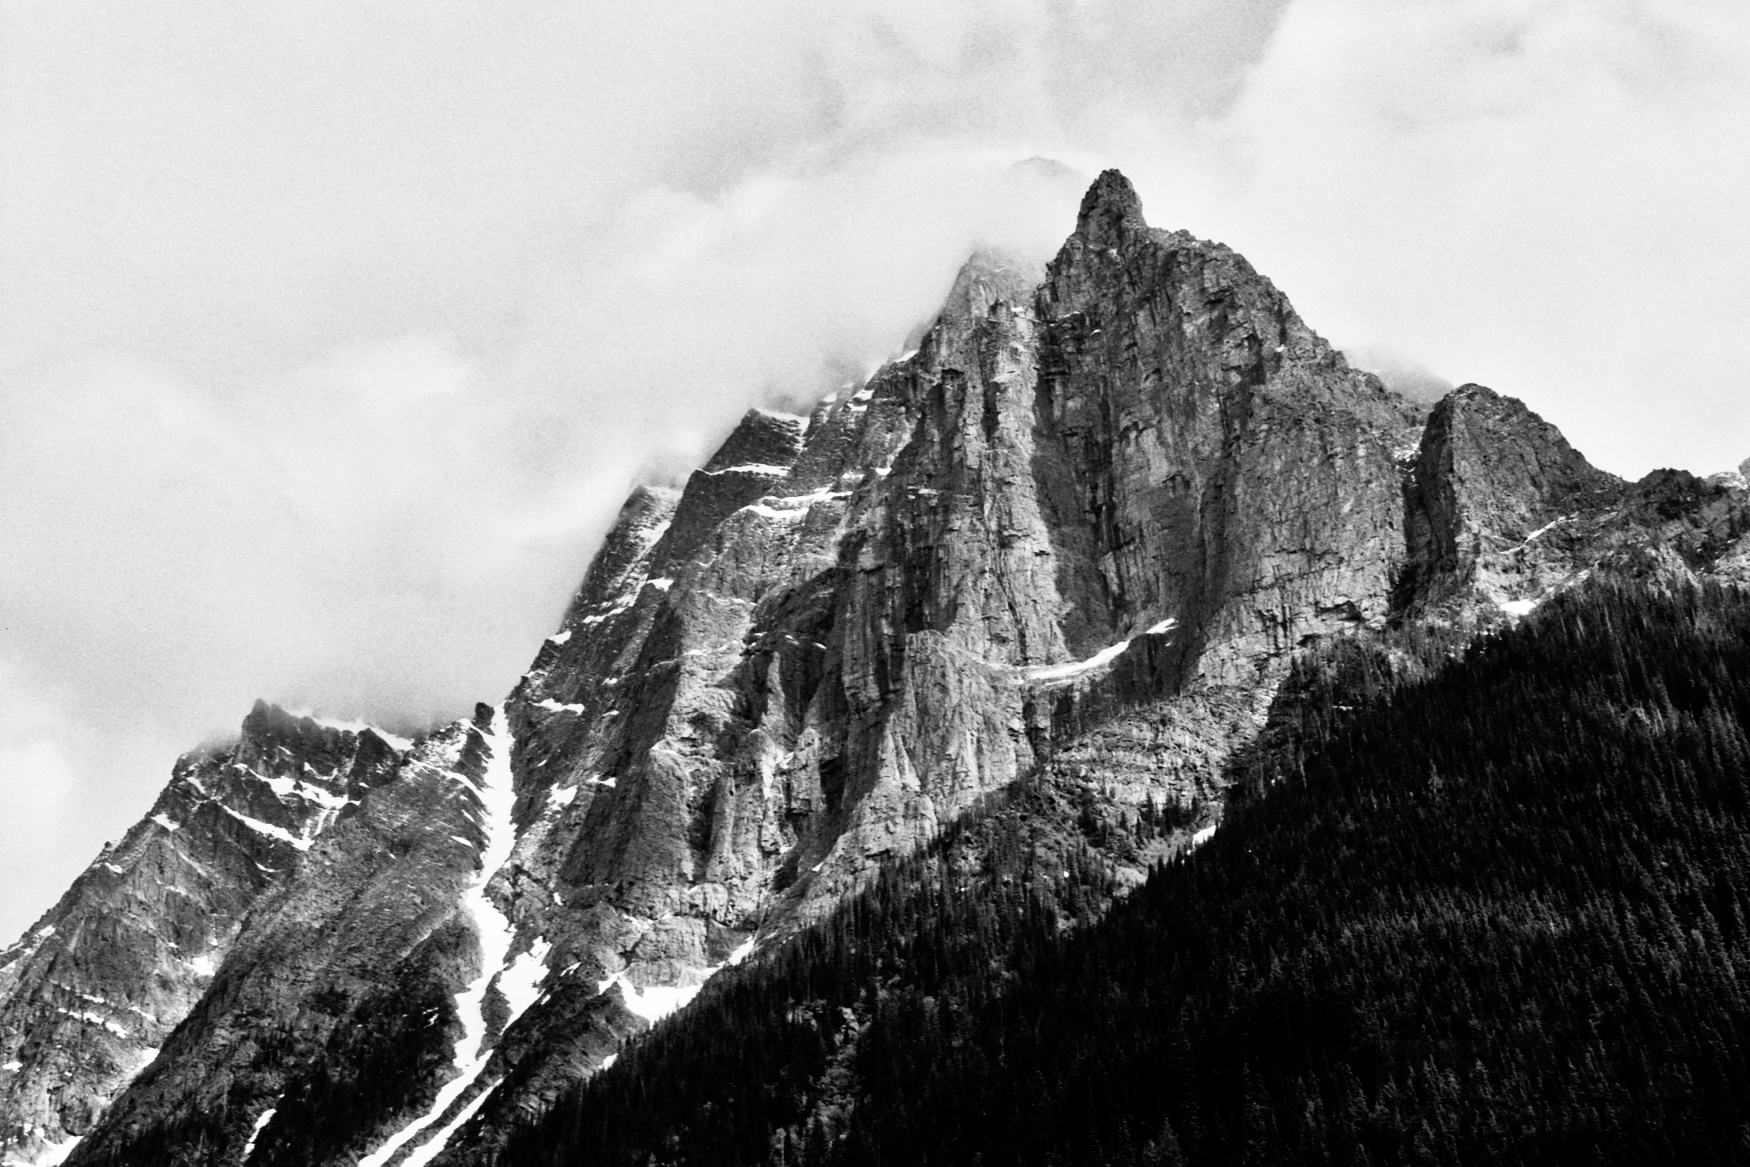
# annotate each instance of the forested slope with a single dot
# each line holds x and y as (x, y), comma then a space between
(1494, 915)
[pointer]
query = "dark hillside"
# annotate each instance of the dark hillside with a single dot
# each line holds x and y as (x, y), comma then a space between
(1495, 916)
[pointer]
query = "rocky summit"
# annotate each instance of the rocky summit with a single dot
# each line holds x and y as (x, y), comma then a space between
(1077, 538)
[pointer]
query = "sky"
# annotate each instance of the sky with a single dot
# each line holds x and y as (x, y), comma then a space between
(333, 334)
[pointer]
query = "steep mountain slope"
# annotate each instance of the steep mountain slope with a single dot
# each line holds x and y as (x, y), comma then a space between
(92, 991)
(1500, 915)
(1077, 537)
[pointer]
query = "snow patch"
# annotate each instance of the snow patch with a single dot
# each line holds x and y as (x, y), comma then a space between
(285, 788)
(267, 829)
(166, 822)
(1546, 529)
(13, 1066)
(559, 638)
(435, 1146)
(553, 706)
(750, 468)
(92, 1019)
(1099, 659)
(260, 1125)
(520, 984)
(790, 507)
(608, 1062)
(1076, 668)
(768, 512)
(1203, 836)
(561, 797)
(202, 965)
(1518, 608)
(658, 1001)
(625, 600)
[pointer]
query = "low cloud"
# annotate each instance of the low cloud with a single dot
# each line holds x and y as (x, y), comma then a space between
(333, 335)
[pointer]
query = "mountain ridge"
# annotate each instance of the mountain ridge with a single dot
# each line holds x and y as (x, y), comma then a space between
(1081, 532)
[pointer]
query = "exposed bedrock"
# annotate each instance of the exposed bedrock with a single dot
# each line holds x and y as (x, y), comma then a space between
(1079, 534)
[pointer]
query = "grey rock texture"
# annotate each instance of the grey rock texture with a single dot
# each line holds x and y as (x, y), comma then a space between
(1077, 536)
(96, 986)
(1502, 513)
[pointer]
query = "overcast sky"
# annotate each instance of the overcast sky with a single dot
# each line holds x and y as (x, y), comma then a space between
(331, 335)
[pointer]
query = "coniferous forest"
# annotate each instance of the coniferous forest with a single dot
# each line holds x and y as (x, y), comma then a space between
(1489, 909)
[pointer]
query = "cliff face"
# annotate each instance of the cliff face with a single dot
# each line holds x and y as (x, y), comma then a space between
(1076, 536)
(1502, 513)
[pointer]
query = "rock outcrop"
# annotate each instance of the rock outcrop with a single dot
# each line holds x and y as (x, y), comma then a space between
(1078, 535)
(1502, 513)
(96, 986)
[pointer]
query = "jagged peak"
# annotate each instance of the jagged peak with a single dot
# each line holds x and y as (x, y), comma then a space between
(762, 438)
(269, 722)
(1508, 418)
(1109, 210)
(990, 276)
(646, 495)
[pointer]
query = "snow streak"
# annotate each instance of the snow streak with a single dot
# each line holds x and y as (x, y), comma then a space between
(1104, 656)
(260, 1125)
(519, 981)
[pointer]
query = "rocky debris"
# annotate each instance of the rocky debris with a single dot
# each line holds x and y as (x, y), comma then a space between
(96, 986)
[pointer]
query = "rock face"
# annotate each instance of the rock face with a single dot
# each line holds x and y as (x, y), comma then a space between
(92, 991)
(1077, 535)
(1502, 513)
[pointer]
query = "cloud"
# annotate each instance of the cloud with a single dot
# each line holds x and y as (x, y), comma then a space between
(1534, 194)
(332, 335)
(37, 784)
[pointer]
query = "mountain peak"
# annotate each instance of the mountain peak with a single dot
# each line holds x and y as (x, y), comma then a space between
(987, 277)
(1109, 209)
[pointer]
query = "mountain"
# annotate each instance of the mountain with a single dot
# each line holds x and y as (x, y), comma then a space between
(1490, 909)
(96, 986)
(1073, 546)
